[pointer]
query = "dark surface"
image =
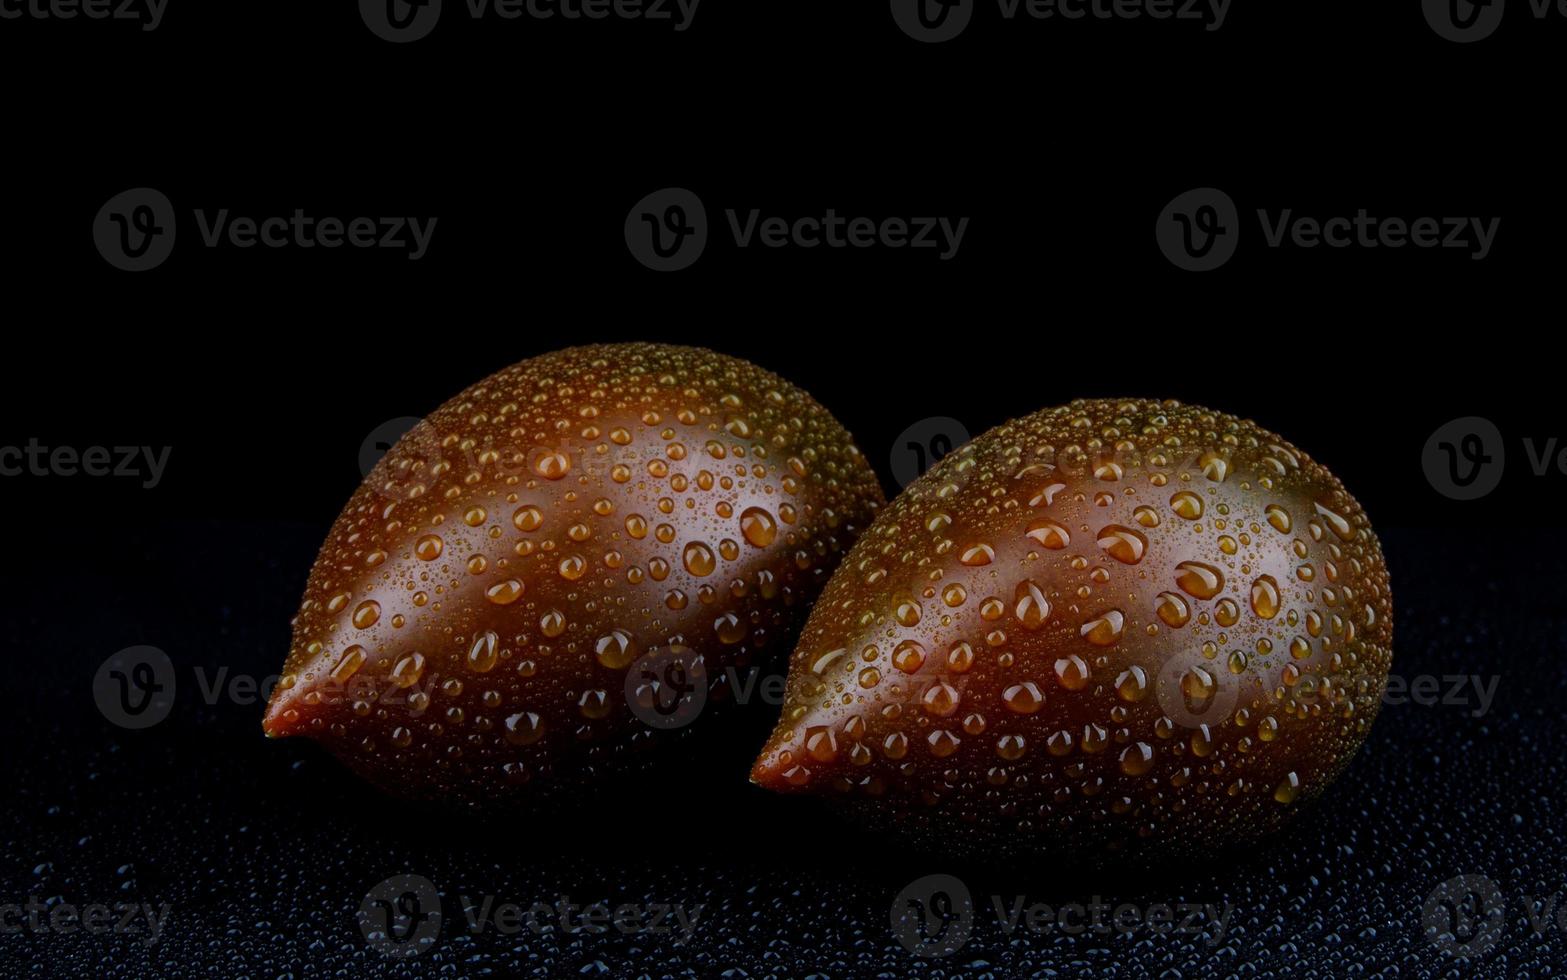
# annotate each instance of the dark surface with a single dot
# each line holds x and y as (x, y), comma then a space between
(265, 850)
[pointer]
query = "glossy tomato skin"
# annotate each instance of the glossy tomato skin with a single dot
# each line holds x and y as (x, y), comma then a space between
(1109, 628)
(468, 629)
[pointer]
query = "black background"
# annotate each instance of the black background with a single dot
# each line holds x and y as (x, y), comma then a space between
(264, 370)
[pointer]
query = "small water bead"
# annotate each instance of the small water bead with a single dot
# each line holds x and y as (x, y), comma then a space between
(1137, 759)
(895, 746)
(730, 628)
(552, 623)
(1106, 630)
(954, 595)
(407, 670)
(482, 654)
(1214, 466)
(908, 656)
(1096, 738)
(1048, 534)
(429, 547)
(552, 465)
(348, 664)
(1186, 504)
(594, 704)
(979, 554)
(869, 677)
(699, 559)
(474, 516)
(1288, 789)
(758, 526)
(907, 613)
(1072, 672)
(1132, 685)
(1227, 612)
(1265, 597)
(524, 728)
(942, 743)
(1146, 516)
(1123, 544)
(1198, 686)
(826, 661)
(1031, 606)
(367, 614)
(1278, 518)
(821, 744)
(1010, 747)
(572, 567)
(940, 699)
(505, 593)
(1199, 580)
(1024, 698)
(1172, 609)
(960, 658)
(615, 649)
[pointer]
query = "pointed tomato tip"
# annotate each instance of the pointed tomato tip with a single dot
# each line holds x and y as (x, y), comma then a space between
(283, 718)
(767, 772)
(777, 770)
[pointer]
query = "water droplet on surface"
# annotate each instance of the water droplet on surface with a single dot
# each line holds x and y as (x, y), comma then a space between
(1123, 544)
(758, 526)
(1199, 580)
(1106, 630)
